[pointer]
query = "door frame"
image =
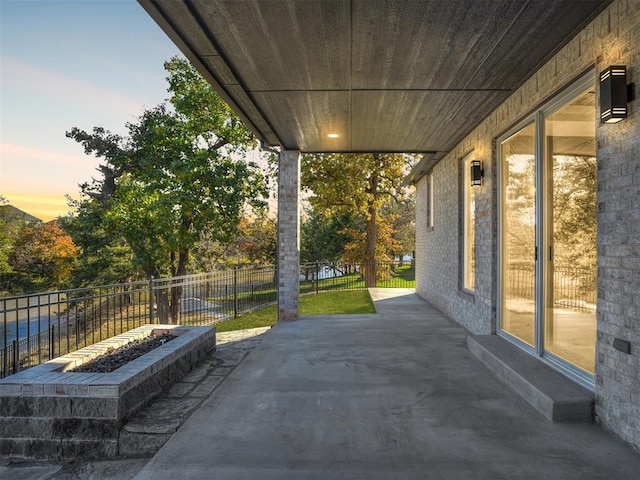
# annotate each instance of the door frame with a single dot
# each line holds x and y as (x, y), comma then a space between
(584, 82)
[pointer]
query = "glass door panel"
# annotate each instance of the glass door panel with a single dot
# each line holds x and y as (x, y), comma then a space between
(518, 235)
(570, 240)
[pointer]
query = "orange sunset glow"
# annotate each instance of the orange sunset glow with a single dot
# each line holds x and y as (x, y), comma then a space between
(45, 207)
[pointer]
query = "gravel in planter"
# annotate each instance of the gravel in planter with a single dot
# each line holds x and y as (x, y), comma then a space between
(116, 357)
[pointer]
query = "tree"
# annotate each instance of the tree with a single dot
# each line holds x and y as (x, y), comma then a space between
(5, 242)
(574, 211)
(43, 255)
(174, 176)
(104, 256)
(258, 240)
(401, 217)
(256, 243)
(574, 220)
(358, 184)
(324, 236)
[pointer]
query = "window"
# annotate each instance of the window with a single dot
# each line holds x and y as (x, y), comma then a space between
(430, 201)
(468, 227)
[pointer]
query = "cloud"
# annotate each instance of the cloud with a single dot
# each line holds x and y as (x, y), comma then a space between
(8, 150)
(67, 89)
(33, 173)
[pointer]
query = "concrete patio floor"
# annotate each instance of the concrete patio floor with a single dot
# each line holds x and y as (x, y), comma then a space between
(394, 395)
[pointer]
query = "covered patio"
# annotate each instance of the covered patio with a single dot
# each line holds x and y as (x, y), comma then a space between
(410, 76)
(390, 395)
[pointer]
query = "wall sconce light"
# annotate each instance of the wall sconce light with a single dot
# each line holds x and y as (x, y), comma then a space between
(613, 94)
(477, 172)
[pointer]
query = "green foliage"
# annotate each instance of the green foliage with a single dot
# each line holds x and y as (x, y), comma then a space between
(104, 257)
(359, 185)
(324, 236)
(5, 248)
(173, 177)
(258, 240)
(333, 303)
(207, 116)
(254, 243)
(352, 183)
(13, 221)
(391, 275)
(401, 217)
(5, 242)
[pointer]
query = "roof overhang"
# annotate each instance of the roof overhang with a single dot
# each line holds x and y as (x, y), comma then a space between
(385, 76)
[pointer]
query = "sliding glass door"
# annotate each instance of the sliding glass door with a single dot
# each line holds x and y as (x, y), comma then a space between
(570, 260)
(547, 283)
(518, 235)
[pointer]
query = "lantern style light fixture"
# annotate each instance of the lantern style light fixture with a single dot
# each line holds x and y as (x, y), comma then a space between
(613, 94)
(477, 172)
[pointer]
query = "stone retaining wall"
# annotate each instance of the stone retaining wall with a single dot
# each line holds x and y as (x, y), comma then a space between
(49, 413)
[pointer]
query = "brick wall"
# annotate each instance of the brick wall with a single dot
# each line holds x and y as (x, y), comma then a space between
(617, 41)
(288, 235)
(612, 38)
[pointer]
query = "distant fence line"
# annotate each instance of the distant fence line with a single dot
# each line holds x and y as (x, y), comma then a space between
(41, 326)
(574, 288)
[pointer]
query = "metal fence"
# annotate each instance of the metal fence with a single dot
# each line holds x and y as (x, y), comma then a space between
(573, 288)
(326, 276)
(42, 326)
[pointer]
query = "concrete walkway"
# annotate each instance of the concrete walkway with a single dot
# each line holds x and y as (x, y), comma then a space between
(395, 395)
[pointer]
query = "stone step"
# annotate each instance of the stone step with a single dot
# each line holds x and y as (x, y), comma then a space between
(555, 396)
(152, 427)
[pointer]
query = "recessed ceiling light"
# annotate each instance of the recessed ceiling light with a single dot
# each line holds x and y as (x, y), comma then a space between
(333, 135)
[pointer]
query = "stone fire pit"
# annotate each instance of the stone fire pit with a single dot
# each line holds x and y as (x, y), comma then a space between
(49, 413)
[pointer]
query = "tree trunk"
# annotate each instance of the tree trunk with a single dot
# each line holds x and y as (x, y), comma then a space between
(162, 303)
(176, 290)
(176, 301)
(161, 298)
(372, 235)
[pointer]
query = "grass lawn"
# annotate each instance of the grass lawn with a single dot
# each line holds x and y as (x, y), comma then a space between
(329, 303)
(402, 277)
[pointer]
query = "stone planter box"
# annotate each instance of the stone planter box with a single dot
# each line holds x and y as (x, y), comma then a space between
(47, 412)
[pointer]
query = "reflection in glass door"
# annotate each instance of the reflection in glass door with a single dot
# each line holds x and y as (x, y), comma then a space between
(548, 213)
(570, 225)
(518, 235)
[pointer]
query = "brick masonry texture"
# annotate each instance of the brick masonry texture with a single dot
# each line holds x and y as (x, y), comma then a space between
(613, 38)
(69, 422)
(288, 235)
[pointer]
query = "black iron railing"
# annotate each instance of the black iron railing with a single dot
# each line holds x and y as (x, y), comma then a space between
(42, 326)
(39, 327)
(573, 288)
(325, 276)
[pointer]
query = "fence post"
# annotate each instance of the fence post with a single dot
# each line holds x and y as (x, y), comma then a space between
(151, 319)
(15, 356)
(52, 345)
(235, 291)
(317, 277)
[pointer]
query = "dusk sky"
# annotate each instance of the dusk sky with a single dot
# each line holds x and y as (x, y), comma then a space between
(67, 63)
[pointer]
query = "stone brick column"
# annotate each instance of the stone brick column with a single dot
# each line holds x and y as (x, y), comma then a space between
(288, 234)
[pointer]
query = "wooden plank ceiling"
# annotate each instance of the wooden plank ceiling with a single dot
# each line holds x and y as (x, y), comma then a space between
(386, 76)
